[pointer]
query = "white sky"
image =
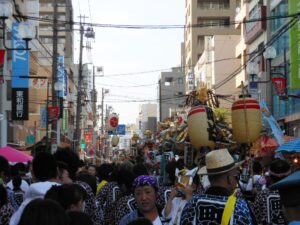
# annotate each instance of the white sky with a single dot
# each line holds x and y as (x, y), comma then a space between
(122, 51)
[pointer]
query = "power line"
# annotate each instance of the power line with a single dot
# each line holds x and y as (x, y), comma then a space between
(127, 26)
(285, 28)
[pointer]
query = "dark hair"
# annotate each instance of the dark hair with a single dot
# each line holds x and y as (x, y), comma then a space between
(89, 179)
(44, 166)
(256, 167)
(140, 221)
(45, 212)
(66, 194)
(104, 171)
(21, 167)
(92, 165)
(17, 181)
(4, 165)
(140, 169)
(279, 167)
(69, 157)
(170, 169)
(3, 195)
(79, 218)
(125, 177)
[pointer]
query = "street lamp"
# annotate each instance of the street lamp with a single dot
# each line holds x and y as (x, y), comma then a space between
(278, 79)
(26, 30)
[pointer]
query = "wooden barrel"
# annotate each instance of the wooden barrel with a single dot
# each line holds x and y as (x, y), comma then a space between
(201, 127)
(246, 120)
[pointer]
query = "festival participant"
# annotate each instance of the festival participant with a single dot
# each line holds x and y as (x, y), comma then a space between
(45, 173)
(69, 157)
(103, 172)
(289, 191)
(108, 194)
(126, 203)
(85, 180)
(63, 173)
(79, 218)
(180, 195)
(145, 193)
(43, 212)
(6, 209)
(15, 172)
(18, 192)
(267, 204)
(70, 196)
(92, 169)
(4, 174)
(219, 203)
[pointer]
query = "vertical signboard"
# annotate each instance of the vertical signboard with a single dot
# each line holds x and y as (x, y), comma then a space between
(20, 60)
(43, 117)
(2, 59)
(19, 104)
(294, 7)
(61, 75)
(20, 67)
(65, 121)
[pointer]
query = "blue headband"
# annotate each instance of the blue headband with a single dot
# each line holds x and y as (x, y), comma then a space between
(145, 180)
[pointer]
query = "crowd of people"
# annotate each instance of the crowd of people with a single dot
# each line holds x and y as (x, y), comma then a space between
(60, 189)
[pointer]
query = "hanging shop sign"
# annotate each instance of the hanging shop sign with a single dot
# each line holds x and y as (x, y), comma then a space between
(294, 7)
(19, 103)
(20, 60)
(53, 112)
(61, 76)
(113, 122)
(280, 85)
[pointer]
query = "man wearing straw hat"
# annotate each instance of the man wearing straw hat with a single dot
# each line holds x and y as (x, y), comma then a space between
(218, 205)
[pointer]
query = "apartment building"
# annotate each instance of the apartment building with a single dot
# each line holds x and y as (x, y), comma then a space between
(212, 17)
(216, 63)
(171, 92)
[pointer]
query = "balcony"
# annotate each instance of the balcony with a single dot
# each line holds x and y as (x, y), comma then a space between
(254, 29)
(240, 48)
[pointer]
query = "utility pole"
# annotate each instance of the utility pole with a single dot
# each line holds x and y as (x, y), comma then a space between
(77, 133)
(94, 99)
(160, 101)
(102, 112)
(54, 77)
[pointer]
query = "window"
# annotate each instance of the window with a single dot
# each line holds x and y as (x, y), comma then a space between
(213, 22)
(280, 10)
(180, 80)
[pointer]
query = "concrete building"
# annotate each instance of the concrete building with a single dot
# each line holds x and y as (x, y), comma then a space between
(212, 69)
(172, 89)
(241, 49)
(213, 17)
(147, 117)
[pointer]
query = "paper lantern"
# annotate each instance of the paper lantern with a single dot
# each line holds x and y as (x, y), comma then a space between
(246, 120)
(112, 122)
(114, 141)
(201, 127)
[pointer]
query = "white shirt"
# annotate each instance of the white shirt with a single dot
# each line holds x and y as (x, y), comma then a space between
(24, 185)
(176, 211)
(157, 221)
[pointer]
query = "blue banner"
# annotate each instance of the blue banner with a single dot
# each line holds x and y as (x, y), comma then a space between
(61, 75)
(267, 116)
(20, 60)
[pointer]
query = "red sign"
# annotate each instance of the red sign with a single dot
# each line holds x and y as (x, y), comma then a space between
(53, 112)
(280, 85)
(88, 137)
(114, 121)
(2, 54)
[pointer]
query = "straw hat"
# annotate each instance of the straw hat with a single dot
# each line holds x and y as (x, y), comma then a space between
(218, 162)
